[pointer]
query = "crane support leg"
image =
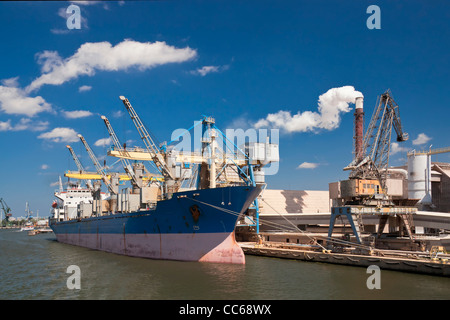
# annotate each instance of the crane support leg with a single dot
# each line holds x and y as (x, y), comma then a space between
(382, 224)
(406, 220)
(356, 227)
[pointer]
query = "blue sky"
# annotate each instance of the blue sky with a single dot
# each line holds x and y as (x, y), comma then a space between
(238, 61)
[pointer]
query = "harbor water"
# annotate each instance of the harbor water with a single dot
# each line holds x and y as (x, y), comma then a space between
(35, 267)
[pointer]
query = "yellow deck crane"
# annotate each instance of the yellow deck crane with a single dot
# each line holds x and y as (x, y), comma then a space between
(136, 173)
(164, 160)
(156, 154)
(111, 180)
(80, 167)
(82, 174)
(107, 178)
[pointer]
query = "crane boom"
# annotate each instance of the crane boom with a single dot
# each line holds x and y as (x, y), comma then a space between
(377, 140)
(101, 170)
(5, 209)
(96, 176)
(125, 163)
(430, 152)
(151, 146)
(79, 166)
(75, 158)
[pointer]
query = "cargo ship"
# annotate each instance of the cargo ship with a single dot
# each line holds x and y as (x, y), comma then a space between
(191, 226)
(188, 212)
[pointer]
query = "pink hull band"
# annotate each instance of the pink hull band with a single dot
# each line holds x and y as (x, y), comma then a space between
(193, 247)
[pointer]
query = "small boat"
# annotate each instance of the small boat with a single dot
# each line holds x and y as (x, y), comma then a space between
(28, 227)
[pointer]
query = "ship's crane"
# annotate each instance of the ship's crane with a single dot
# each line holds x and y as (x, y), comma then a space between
(95, 176)
(79, 166)
(152, 148)
(136, 181)
(112, 187)
(5, 209)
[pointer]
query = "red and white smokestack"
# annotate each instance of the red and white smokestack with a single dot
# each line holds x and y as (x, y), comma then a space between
(359, 128)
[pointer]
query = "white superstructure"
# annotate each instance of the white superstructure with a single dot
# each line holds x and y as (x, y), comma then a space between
(69, 200)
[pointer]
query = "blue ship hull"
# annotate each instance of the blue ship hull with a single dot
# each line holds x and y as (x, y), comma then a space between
(191, 226)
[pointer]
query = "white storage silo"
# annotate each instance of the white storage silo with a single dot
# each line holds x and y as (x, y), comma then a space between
(419, 177)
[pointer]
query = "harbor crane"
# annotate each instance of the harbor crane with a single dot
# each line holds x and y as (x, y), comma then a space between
(371, 160)
(366, 192)
(6, 209)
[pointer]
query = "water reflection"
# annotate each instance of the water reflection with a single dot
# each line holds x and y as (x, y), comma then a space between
(35, 268)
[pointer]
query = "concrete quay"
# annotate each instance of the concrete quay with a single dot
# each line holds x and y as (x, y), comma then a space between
(404, 261)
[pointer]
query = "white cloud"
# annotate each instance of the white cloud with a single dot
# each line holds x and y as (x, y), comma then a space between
(5, 125)
(118, 113)
(203, 71)
(300, 122)
(14, 100)
(102, 56)
(60, 135)
(422, 138)
(24, 124)
(308, 165)
(44, 166)
(330, 107)
(103, 142)
(86, 3)
(59, 31)
(84, 88)
(396, 148)
(77, 114)
(54, 184)
(11, 82)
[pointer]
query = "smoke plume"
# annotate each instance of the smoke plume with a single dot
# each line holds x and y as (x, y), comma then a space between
(331, 105)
